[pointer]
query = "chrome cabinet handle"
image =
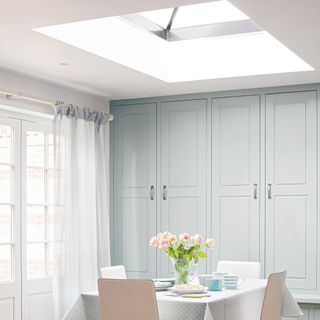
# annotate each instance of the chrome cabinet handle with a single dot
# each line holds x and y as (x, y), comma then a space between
(269, 191)
(164, 192)
(255, 191)
(152, 192)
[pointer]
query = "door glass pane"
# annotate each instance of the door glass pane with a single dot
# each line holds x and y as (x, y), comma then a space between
(5, 224)
(5, 144)
(5, 183)
(35, 148)
(35, 186)
(50, 258)
(50, 186)
(35, 260)
(35, 223)
(50, 223)
(50, 151)
(5, 263)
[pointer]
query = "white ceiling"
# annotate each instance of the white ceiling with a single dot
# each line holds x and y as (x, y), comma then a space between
(294, 23)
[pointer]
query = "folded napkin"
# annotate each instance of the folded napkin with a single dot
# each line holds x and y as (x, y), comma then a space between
(196, 295)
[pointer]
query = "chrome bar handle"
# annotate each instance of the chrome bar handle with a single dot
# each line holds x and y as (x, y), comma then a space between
(164, 192)
(255, 191)
(152, 192)
(269, 191)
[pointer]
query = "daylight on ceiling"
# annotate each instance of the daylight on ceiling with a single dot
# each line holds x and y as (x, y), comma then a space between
(196, 42)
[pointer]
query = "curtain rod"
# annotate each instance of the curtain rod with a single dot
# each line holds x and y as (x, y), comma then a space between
(10, 95)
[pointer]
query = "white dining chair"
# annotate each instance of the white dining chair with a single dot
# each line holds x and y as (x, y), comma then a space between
(271, 308)
(113, 272)
(127, 299)
(244, 269)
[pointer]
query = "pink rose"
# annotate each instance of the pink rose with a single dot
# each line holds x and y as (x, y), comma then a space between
(197, 239)
(172, 238)
(164, 244)
(154, 242)
(210, 243)
(184, 237)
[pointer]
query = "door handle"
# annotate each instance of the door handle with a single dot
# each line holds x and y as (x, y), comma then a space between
(164, 192)
(255, 191)
(152, 192)
(269, 191)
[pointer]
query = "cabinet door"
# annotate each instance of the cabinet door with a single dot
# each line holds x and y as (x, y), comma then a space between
(291, 173)
(134, 175)
(183, 170)
(235, 178)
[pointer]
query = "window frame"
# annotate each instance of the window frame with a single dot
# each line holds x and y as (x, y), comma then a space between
(46, 129)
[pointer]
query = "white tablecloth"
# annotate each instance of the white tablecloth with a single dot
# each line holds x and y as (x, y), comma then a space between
(242, 304)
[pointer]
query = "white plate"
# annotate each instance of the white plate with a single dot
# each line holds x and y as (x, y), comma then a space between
(161, 288)
(163, 284)
(188, 291)
(164, 280)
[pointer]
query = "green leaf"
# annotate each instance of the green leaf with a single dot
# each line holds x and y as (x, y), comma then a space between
(202, 254)
(189, 257)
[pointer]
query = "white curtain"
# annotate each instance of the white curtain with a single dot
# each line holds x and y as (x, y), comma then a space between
(81, 203)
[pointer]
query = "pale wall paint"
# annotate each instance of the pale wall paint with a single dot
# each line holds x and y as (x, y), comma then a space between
(45, 89)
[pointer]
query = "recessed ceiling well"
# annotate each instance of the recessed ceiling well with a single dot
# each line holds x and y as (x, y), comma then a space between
(245, 51)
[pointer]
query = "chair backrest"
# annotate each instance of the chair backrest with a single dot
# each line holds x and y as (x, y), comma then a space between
(271, 308)
(244, 269)
(127, 299)
(114, 272)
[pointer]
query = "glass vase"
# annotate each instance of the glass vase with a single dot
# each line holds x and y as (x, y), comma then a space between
(182, 271)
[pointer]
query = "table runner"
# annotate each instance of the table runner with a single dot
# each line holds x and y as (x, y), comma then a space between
(242, 304)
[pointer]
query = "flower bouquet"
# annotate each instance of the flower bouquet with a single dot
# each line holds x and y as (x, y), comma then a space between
(183, 251)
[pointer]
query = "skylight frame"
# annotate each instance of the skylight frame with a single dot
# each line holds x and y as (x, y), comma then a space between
(187, 33)
(168, 33)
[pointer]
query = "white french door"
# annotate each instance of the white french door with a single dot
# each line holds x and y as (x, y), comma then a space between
(10, 242)
(26, 219)
(37, 220)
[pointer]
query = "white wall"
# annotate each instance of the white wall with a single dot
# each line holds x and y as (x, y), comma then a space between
(45, 89)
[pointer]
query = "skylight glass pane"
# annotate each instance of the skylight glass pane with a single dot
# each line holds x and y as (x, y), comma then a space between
(207, 13)
(177, 61)
(159, 17)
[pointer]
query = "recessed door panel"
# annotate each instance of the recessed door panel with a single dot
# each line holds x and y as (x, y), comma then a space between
(135, 225)
(182, 148)
(235, 145)
(290, 243)
(135, 155)
(234, 228)
(292, 130)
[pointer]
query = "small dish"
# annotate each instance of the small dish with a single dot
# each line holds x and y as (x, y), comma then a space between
(162, 285)
(190, 289)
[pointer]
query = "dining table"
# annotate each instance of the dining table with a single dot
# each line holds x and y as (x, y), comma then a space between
(243, 303)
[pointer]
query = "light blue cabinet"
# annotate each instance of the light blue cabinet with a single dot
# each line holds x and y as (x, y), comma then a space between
(291, 177)
(236, 178)
(182, 153)
(134, 177)
(239, 166)
(149, 198)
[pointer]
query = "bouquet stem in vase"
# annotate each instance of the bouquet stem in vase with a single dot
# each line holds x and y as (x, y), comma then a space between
(184, 252)
(181, 268)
